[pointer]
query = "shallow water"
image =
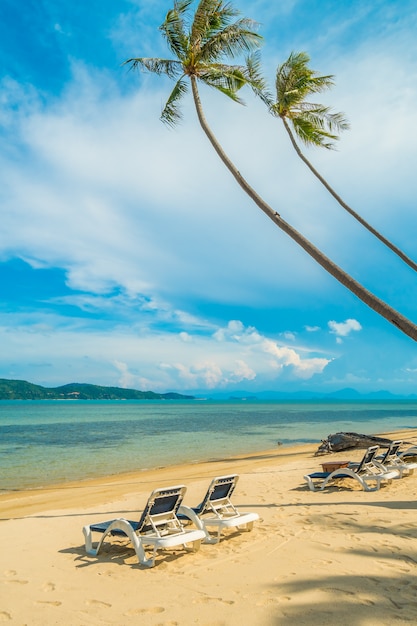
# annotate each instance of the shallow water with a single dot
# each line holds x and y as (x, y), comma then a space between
(49, 442)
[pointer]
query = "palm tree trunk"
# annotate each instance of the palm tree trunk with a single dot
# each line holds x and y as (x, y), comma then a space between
(347, 208)
(383, 309)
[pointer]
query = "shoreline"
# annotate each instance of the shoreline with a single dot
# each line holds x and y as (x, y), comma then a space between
(65, 493)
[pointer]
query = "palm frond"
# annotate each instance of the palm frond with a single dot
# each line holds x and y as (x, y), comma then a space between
(221, 86)
(229, 77)
(255, 79)
(169, 67)
(174, 28)
(323, 117)
(171, 113)
(211, 17)
(317, 84)
(311, 134)
(239, 37)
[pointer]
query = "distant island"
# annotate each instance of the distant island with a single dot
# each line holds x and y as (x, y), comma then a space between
(22, 390)
(347, 394)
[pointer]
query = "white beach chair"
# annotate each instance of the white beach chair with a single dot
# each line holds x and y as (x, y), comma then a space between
(410, 453)
(158, 527)
(364, 472)
(217, 511)
(391, 460)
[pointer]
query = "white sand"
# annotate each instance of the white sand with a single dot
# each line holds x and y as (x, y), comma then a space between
(338, 557)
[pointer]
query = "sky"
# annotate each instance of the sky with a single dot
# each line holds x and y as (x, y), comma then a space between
(128, 254)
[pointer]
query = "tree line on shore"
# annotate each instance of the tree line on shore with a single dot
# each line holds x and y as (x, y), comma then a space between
(23, 390)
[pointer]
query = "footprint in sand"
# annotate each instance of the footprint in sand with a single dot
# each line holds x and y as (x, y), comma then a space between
(152, 611)
(394, 566)
(267, 601)
(207, 600)
(322, 563)
(17, 582)
(46, 602)
(346, 592)
(98, 603)
(48, 587)
(4, 616)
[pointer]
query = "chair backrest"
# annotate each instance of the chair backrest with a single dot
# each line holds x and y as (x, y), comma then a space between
(218, 494)
(161, 510)
(367, 460)
(392, 452)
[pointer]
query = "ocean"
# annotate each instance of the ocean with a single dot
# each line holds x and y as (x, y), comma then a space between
(49, 442)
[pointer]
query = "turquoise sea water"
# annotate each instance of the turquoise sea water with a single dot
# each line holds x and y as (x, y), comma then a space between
(49, 442)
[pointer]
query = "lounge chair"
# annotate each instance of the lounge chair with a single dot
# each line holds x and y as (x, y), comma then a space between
(158, 527)
(217, 511)
(363, 472)
(391, 460)
(410, 453)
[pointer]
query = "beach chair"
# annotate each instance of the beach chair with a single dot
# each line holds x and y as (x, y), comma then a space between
(217, 511)
(158, 527)
(410, 453)
(364, 472)
(391, 460)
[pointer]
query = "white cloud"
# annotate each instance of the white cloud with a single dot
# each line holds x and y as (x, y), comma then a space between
(126, 379)
(343, 329)
(209, 375)
(135, 356)
(235, 331)
(303, 367)
(242, 371)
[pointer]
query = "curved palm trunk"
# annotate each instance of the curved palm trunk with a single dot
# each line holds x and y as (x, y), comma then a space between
(347, 208)
(383, 309)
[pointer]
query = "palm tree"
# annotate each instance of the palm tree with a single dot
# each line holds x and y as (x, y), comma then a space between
(315, 124)
(200, 44)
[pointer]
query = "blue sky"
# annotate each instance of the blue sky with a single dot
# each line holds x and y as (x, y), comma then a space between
(129, 256)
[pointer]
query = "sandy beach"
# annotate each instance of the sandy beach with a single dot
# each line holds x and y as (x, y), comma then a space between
(342, 556)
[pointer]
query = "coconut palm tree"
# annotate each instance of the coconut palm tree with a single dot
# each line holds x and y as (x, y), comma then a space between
(315, 124)
(200, 44)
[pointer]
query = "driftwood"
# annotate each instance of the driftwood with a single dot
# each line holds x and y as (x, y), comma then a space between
(349, 441)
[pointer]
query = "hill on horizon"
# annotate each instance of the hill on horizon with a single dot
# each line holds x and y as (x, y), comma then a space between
(23, 390)
(341, 394)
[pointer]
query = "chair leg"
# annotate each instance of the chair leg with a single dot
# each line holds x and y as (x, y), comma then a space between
(310, 483)
(89, 541)
(119, 524)
(195, 546)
